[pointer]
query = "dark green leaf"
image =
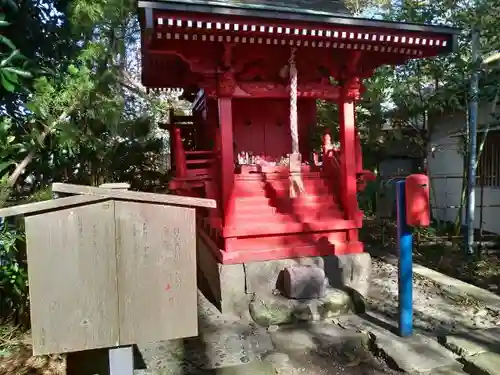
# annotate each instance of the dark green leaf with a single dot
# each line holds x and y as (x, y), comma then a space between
(19, 72)
(9, 86)
(6, 41)
(4, 165)
(10, 76)
(5, 61)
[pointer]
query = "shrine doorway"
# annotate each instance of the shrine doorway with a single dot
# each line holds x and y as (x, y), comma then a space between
(261, 127)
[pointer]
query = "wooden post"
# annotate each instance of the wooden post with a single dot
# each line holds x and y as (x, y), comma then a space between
(348, 156)
(120, 359)
(179, 153)
(226, 155)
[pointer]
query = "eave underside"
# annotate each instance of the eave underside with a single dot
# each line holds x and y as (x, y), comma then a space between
(192, 47)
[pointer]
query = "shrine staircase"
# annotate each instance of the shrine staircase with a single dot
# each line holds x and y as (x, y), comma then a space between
(193, 168)
(265, 223)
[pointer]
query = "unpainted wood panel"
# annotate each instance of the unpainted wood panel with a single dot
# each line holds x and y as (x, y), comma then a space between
(72, 279)
(156, 257)
(49, 205)
(136, 196)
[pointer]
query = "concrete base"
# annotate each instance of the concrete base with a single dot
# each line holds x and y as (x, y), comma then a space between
(352, 271)
(231, 287)
(223, 285)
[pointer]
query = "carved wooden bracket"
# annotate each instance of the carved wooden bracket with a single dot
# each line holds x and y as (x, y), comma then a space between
(226, 84)
(352, 89)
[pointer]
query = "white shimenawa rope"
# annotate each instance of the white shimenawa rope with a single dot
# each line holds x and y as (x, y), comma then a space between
(293, 103)
(296, 184)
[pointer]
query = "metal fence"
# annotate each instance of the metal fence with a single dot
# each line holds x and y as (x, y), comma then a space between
(444, 189)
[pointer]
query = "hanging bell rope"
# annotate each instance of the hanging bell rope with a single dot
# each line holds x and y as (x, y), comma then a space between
(296, 183)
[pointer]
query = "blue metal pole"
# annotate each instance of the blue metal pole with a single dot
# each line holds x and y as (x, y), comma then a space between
(405, 243)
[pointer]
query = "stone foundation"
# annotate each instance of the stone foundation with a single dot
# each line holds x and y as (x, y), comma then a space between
(232, 287)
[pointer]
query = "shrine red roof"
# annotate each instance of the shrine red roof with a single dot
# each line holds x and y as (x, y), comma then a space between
(186, 37)
(335, 20)
(318, 7)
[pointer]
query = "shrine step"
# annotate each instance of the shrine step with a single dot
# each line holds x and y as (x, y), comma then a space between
(272, 191)
(281, 187)
(303, 200)
(282, 241)
(275, 226)
(316, 212)
(277, 175)
(297, 214)
(280, 181)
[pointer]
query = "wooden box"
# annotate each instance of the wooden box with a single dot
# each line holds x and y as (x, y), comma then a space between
(110, 268)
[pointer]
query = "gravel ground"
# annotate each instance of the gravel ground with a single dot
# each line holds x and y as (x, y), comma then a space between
(435, 310)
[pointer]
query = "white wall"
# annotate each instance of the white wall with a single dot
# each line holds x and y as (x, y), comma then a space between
(446, 167)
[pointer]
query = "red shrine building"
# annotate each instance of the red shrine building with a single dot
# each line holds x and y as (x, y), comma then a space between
(254, 71)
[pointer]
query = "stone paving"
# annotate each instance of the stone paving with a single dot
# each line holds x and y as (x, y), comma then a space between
(228, 345)
(479, 349)
(456, 333)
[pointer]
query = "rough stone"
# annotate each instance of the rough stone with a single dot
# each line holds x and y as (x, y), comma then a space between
(316, 336)
(303, 282)
(483, 364)
(448, 370)
(417, 354)
(256, 367)
(267, 310)
(473, 342)
(293, 340)
(350, 270)
(278, 360)
(262, 277)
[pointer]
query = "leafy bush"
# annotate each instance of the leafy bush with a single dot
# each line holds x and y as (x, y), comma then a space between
(13, 272)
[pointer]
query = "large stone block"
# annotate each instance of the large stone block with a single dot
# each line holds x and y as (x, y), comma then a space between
(350, 270)
(303, 282)
(222, 284)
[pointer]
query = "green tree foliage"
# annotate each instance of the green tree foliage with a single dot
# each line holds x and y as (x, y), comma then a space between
(71, 109)
(407, 96)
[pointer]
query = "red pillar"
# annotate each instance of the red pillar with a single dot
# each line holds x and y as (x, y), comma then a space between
(348, 157)
(178, 152)
(226, 156)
